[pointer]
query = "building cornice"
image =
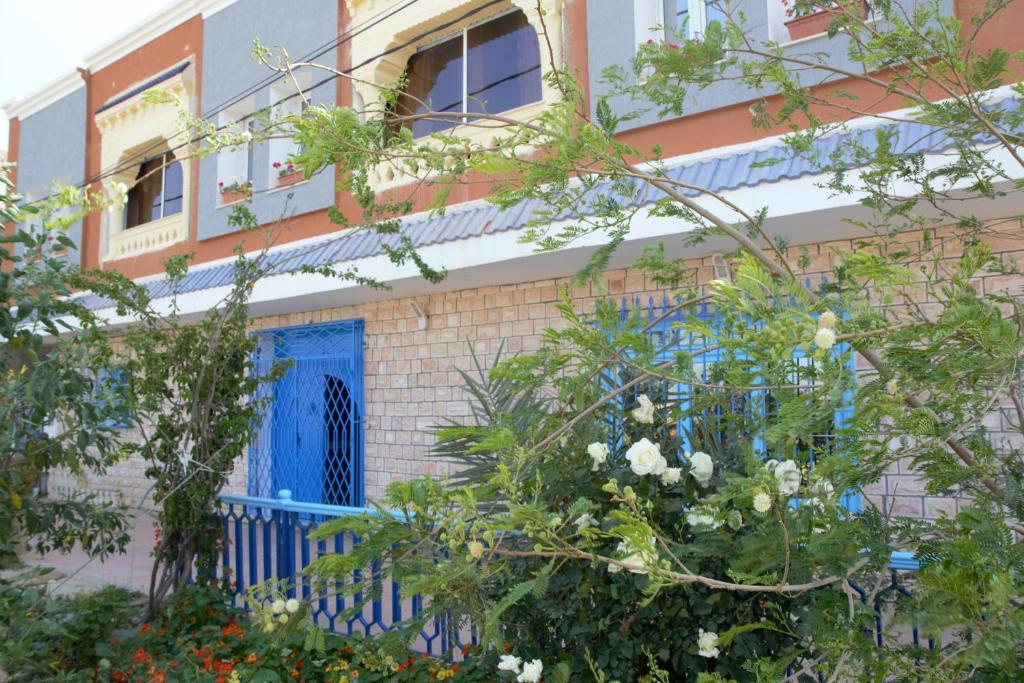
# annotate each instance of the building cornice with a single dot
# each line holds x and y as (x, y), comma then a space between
(45, 96)
(144, 32)
(211, 7)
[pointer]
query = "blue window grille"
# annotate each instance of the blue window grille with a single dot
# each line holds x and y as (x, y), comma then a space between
(695, 431)
(310, 440)
(108, 389)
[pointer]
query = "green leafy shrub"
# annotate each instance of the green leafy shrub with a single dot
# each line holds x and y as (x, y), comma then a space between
(48, 638)
(198, 636)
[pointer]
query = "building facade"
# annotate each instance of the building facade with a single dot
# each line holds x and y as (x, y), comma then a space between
(385, 365)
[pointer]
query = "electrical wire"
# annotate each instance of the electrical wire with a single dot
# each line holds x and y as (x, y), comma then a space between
(144, 154)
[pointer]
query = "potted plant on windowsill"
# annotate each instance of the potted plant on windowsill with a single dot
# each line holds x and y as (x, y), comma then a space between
(234, 192)
(807, 19)
(287, 174)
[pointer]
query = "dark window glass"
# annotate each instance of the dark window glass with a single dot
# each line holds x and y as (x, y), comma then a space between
(682, 13)
(503, 71)
(158, 191)
(145, 194)
(503, 65)
(434, 78)
(714, 13)
(173, 187)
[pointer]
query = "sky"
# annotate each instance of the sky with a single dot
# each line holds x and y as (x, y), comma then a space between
(43, 40)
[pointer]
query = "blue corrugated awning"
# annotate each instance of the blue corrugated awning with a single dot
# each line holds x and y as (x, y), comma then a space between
(144, 87)
(743, 169)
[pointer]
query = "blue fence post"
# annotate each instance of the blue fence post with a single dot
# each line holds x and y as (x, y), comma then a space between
(285, 540)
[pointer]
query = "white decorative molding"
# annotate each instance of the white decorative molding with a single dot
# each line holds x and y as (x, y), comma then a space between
(45, 96)
(130, 132)
(144, 32)
(147, 237)
(136, 107)
(420, 18)
(210, 7)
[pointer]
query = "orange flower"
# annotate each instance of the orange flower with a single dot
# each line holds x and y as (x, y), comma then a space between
(232, 629)
(252, 658)
(142, 656)
(145, 628)
(465, 651)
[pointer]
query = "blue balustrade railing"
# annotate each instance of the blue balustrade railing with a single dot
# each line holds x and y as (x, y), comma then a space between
(270, 538)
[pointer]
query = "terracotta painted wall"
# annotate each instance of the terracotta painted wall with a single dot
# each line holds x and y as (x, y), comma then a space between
(185, 41)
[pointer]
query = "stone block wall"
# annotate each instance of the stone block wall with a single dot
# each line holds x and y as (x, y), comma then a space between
(413, 381)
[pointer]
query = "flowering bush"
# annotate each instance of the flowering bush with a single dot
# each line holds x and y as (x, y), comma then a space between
(236, 187)
(198, 637)
(284, 169)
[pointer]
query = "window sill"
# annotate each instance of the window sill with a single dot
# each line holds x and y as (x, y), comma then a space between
(486, 137)
(147, 237)
(282, 188)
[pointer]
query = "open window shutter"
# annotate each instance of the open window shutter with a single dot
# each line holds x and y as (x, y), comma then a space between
(648, 17)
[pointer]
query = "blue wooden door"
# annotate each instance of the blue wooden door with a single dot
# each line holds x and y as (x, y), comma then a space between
(312, 440)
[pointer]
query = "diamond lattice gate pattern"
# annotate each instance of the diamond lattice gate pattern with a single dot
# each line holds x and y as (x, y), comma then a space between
(310, 441)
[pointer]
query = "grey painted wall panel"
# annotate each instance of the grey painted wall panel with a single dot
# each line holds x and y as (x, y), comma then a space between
(610, 38)
(228, 69)
(52, 148)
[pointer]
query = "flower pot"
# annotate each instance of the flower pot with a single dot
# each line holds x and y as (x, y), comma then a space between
(231, 196)
(813, 24)
(286, 179)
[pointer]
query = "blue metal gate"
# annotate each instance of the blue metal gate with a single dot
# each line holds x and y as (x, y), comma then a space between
(311, 439)
(667, 336)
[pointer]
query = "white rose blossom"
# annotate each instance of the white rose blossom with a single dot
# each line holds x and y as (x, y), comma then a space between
(762, 502)
(509, 663)
(645, 458)
(707, 644)
(702, 467)
(598, 452)
(531, 672)
(671, 475)
(644, 413)
(277, 607)
(702, 518)
(292, 606)
(639, 559)
(787, 477)
(825, 338)
(585, 520)
(823, 488)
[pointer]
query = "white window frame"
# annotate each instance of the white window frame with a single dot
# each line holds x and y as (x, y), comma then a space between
(235, 164)
(285, 100)
(464, 34)
(650, 19)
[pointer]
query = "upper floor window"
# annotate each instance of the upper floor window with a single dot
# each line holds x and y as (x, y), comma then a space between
(488, 68)
(652, 18)
(695, 15)
(235, 164)
(158, 191)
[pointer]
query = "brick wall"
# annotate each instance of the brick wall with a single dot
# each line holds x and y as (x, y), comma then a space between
(412, 380)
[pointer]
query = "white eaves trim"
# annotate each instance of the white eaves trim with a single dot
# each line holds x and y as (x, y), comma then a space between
(45, 96)
(211, 7)
(144, 32)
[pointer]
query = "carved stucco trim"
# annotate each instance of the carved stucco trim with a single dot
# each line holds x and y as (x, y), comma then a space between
(129, 132)
(420, 18)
